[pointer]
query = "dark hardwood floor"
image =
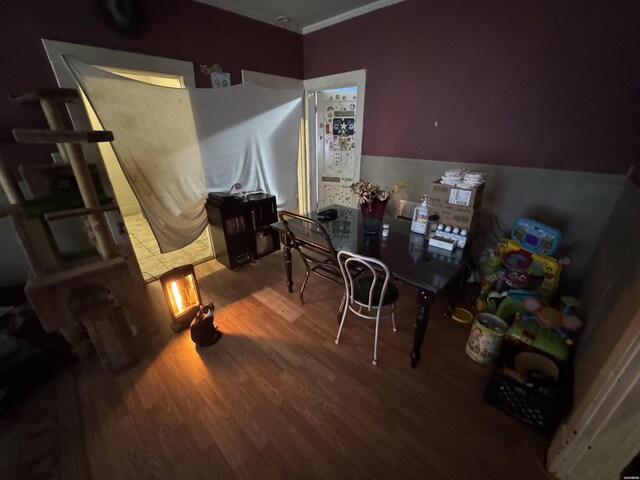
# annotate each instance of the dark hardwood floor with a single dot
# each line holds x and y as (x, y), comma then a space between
(276, 398)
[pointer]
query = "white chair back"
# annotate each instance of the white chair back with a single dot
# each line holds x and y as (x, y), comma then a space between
(353, 265)
(357, 271)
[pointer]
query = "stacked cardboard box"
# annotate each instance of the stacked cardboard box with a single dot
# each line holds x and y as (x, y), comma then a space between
(458, 207)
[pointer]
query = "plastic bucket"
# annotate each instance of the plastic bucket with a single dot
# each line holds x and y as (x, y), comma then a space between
(485, 338)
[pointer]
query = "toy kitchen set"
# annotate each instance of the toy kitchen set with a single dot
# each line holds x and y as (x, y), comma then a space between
(532, 379)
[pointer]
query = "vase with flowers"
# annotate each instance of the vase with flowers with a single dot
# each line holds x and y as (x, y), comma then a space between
(373, 199)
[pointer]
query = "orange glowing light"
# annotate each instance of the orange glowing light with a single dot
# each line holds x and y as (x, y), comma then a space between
(177, 297)
(182, 295)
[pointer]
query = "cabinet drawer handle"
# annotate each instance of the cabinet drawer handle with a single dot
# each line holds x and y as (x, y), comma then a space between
(253, 219)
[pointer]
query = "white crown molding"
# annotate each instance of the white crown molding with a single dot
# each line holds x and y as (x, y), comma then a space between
(349, 15)
(247, 12)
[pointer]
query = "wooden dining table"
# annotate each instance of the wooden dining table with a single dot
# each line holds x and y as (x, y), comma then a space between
(407, 255)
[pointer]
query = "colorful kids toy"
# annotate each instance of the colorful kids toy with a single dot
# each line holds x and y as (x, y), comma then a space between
(522, 263)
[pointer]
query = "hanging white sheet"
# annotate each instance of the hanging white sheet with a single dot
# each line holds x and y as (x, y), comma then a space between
(175, 145)
(249, 135)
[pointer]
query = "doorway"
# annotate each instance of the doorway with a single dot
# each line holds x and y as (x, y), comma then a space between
(334, 114)
(158, 71)
(335, 145)
(152, 263)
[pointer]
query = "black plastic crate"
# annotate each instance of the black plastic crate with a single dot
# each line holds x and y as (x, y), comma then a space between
(538, 408)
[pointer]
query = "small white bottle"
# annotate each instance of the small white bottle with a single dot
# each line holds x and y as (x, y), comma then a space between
(447, 232)
(420, 216)
(463, 238)
(440, 231)
(455, 234)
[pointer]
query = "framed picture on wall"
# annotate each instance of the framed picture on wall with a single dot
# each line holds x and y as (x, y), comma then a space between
(220, 80)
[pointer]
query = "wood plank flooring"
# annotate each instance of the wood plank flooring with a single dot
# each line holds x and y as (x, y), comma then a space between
(275, 398)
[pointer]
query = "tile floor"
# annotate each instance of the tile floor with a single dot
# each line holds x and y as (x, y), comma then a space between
(152, 262)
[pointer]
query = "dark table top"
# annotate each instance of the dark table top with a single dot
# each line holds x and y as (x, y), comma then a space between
(408, 255)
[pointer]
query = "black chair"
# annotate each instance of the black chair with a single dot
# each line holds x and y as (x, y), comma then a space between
(312, 242)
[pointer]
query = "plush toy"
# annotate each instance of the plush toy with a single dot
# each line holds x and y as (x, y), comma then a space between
(203, 332)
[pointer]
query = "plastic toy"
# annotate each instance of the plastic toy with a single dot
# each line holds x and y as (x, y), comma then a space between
(548, 340)
(535, 237)
(543, 272)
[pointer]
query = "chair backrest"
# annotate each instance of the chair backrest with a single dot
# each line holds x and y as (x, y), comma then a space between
(310, 239)
(354, 266)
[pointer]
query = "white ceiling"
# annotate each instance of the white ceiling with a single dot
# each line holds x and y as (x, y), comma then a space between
(303, 16)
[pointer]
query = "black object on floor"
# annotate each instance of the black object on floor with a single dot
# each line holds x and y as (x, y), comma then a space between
(11, 296)
(31, 356)
(203, 332)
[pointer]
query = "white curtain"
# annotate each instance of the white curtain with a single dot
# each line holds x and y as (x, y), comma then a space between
(276, 81)
(248, 134)
(175, 145)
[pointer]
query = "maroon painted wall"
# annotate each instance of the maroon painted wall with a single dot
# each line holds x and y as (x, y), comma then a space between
(528, 83)
(180, 29)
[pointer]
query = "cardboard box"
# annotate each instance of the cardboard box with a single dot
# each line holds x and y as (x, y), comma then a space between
(461, 217)
(450, 195)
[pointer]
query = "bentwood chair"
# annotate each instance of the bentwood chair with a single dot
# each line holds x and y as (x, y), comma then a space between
(313, 244)
(372, 290)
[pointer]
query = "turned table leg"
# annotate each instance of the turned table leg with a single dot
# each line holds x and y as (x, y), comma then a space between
(288, 264)
(425, 301)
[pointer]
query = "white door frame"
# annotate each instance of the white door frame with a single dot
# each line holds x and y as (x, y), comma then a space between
(356, 78)
(600, 436)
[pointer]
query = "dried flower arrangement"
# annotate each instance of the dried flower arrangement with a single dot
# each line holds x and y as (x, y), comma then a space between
(367, 191)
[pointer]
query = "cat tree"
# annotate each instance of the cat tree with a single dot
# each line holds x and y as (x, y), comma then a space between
(95, 295)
